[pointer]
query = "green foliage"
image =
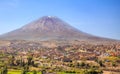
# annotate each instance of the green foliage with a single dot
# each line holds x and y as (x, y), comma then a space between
(22, 63)
(11, 60)
(4, 70)
(43, 72)
(26, 68)
(92, 71)
(34, 72)
(18, 62)
(101, 63)
(15, 72)
(24, 72)
(29, 60)
(114, 64)
(70, 72)
(82, 65)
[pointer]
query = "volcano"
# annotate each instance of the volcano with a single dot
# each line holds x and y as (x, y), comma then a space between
(48, 28)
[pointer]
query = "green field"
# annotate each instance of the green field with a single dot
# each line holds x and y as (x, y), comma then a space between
(14, 72)
(19, 72)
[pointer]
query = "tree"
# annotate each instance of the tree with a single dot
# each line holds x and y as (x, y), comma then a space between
(101, 63)
(18, 62)
(92, 71)
(29, 60)
(4, 70)
(12, 59)
(25, 69)
(43, 72)
(114, 64)
(34, 72)
(24, 72)
(82, 64)
(96, 60)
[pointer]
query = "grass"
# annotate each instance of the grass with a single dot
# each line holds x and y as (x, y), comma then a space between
(19, 72)
(14, 72)
(32, 73)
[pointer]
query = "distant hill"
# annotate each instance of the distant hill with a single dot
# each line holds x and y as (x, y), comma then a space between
(49, 28)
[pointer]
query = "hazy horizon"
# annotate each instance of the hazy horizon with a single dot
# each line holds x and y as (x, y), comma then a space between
(97, 17)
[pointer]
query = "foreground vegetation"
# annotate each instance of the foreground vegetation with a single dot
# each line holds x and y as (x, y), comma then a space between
(69, 59)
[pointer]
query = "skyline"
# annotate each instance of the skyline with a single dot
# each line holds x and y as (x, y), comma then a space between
(96, 17)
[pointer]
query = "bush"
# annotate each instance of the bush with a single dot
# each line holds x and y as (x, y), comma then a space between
(4, 70)
(24, 72)
(70, 71)
(92, 71)
(34, 72)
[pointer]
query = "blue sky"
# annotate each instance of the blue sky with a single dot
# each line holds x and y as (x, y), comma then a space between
(97, 17)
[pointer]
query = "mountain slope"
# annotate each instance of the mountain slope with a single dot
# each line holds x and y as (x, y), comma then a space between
(48, 28)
